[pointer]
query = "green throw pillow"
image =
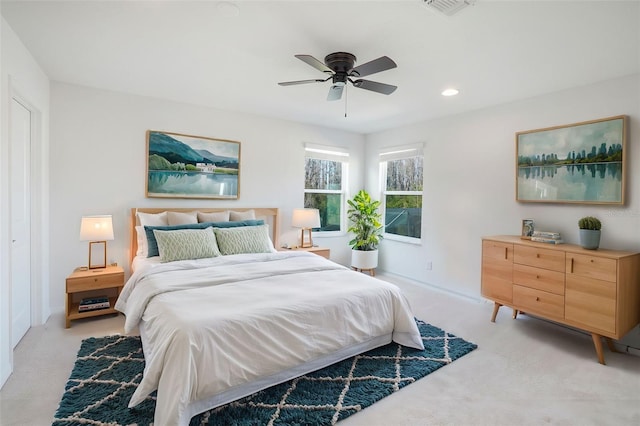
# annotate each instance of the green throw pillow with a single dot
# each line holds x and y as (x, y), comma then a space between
(247, 239)
(186, 244)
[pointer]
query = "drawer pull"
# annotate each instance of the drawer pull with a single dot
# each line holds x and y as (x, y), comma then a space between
(571, 266)
(537, 277)
(538, 255)
(591, 260)
(537, 299)
(95, 280)
(505, 253)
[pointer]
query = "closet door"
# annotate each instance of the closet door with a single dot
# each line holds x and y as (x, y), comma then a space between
(20, 209)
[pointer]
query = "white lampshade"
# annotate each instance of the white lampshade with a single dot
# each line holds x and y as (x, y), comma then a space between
(96, 228)
(306, 218)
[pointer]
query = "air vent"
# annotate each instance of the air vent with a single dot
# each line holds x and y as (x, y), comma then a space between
(448, 7)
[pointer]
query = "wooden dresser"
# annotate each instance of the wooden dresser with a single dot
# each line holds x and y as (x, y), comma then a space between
(593, 290)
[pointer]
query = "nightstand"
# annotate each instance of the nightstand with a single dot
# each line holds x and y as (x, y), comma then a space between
(320, 251)
(92, 283)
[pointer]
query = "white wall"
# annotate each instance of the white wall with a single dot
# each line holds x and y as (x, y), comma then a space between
(469, 186)
(98, 160)
(22, 76)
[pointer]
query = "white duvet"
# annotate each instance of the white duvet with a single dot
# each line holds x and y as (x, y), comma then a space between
(211, 326)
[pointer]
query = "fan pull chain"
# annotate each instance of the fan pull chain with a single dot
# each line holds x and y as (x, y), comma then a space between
(345, 100)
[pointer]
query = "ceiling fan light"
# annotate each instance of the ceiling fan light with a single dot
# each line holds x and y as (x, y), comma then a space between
(450, 92)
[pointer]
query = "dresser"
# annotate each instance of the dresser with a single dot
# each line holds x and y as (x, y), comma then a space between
(597, 291)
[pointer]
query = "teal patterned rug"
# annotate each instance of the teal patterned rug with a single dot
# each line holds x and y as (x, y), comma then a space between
(108, 370)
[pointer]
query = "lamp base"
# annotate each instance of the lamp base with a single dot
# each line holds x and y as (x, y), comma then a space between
(302, 244)
(97, 255)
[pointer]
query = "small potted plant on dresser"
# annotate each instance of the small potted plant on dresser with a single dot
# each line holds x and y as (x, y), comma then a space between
(589, 232)
(367, 229)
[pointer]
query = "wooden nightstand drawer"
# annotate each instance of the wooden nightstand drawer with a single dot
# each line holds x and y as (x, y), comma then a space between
(94, 282)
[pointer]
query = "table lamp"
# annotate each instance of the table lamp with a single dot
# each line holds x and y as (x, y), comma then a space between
(307, 219)
(97, 230)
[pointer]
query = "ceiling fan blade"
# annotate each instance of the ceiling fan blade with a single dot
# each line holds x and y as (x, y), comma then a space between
(308, 59)
(374, 86)
(292, 83)
(383, 63)
(335, 92)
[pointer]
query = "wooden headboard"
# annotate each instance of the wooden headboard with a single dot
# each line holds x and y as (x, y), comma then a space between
(269, 215)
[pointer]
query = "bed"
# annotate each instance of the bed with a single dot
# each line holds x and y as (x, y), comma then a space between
(218, 328)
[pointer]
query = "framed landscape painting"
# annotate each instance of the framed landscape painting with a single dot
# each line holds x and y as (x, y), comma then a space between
(582, 163)
(186, 166)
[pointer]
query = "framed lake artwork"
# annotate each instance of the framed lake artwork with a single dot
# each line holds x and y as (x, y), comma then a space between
(581, 163)
(186, 166)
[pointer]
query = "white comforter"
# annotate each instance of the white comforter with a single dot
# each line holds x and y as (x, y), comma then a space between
(212, 325)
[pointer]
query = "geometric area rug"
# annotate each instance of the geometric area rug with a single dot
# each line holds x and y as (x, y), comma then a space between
(108, 369)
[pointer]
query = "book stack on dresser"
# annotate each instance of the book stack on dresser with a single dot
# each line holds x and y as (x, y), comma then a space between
(546, 237)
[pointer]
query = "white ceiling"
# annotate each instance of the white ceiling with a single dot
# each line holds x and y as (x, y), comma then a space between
(197, 52)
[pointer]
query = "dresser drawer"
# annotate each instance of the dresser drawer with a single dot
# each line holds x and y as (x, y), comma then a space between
(94, 282)
(538, 302)
(600, 268)
(541, 279)
(553, 260)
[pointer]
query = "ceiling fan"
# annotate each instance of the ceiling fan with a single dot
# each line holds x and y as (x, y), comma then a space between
(340, 67)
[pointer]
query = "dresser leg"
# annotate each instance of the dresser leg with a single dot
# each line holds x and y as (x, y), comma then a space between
(597, 342)
(496, 306)
(611, 346)
(515, 314)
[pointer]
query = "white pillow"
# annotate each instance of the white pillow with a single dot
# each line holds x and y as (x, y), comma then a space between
(248, 215)
(244, 239)
(184, 244)
(177, 218)
(143, 248)
(153, 219)
(213, 217)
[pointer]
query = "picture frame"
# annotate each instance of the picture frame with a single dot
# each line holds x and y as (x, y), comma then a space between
(579, 163)
(527, 229)
(187, 166)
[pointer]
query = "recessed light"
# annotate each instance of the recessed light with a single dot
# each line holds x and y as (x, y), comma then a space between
(450, 92)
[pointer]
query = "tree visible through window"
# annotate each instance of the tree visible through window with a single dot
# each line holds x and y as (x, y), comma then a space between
(324, 189)
(402, 195)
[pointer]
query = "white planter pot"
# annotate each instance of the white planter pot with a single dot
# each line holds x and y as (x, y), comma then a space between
(364, 259)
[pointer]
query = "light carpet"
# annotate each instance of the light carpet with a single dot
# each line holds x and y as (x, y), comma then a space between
(108, 369)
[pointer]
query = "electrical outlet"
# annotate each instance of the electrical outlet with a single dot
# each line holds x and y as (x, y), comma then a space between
(429, 265)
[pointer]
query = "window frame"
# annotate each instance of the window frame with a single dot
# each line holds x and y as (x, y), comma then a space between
(341, 156)
(399, 153)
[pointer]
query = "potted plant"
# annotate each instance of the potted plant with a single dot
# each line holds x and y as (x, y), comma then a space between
(367, 229)
(589, 232)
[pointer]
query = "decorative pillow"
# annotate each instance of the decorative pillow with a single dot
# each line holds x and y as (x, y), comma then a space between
(247, 239)
(142, 241)
(213, 217)
(152, 244)
(153, 219)
(248, 215)
(186, 244)
(177, 218)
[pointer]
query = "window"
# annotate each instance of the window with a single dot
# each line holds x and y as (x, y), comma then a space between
(401, 181)
(324, 183)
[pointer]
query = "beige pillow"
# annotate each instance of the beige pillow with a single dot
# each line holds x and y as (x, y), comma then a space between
(213, 217)
(248, 215)
(153, 219)
(177, 218)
